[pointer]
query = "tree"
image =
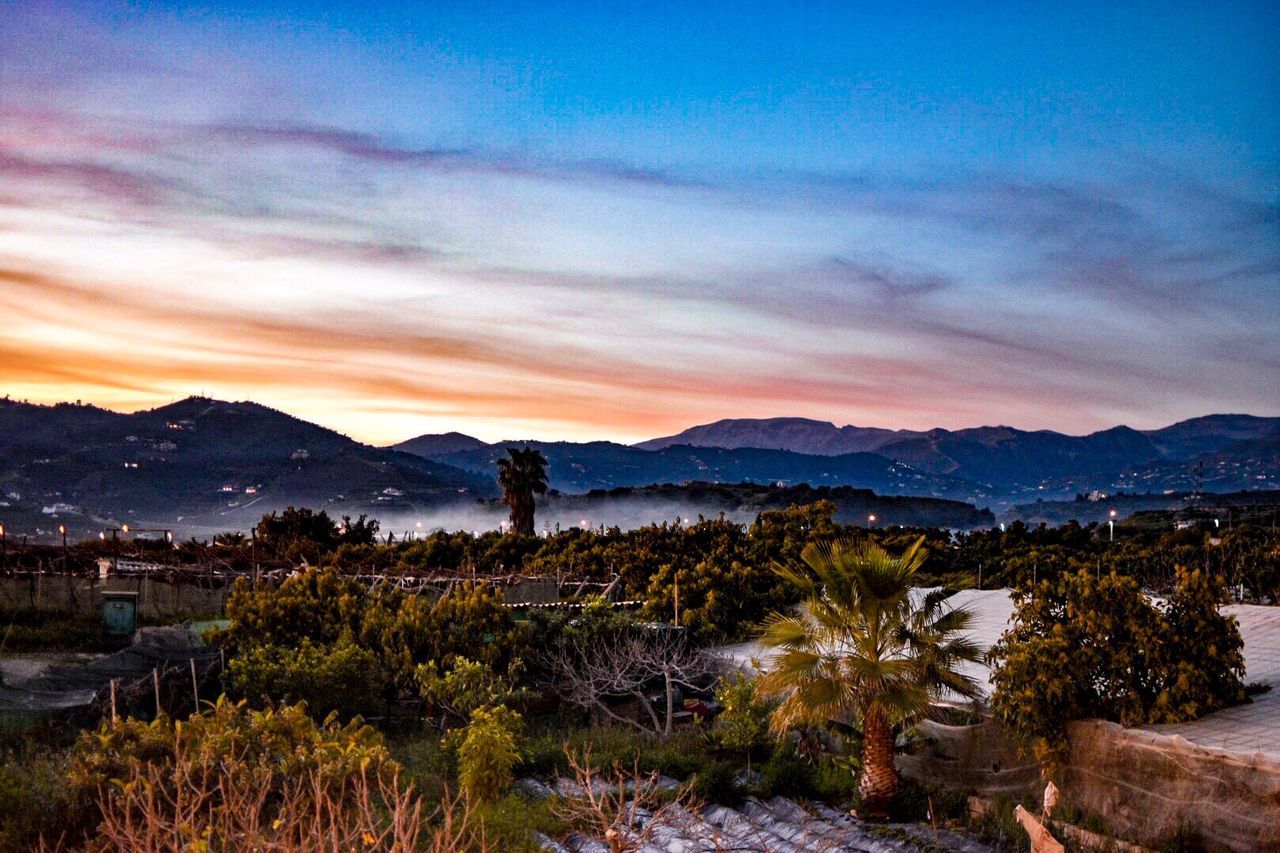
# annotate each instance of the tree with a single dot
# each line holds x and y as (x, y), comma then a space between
(623, 661)
(864, 647)
(743, 721)
(489, 751)
(1083, 646)
(522, 475)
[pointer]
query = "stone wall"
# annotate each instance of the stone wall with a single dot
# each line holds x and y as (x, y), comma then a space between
(1146, 786)
(159, 598)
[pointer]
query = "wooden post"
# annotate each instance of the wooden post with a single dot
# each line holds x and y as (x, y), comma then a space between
(155, 679)
(195, 685)
(113, 700)
(675, 590)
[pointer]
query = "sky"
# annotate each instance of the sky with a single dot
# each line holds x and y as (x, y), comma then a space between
(614, 221)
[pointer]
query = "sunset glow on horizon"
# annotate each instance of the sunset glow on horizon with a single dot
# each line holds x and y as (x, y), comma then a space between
(513, 223)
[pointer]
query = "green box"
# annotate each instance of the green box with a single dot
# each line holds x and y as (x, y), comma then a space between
(120, 612)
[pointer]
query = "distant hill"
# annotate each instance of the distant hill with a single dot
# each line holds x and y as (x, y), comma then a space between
(1251, 464)
(1211, 433)
(629, 507)
(800, 435)
(200, 458)
(1001, 456)
(440, 444)
(606, 465)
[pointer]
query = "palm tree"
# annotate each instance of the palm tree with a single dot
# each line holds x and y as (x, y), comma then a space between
(521, 475)
(864, 647)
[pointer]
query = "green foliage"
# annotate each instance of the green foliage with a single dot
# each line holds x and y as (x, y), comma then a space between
(303, 532)
(34, 800)
(864, 648)
(466, 686)
(401, 631)
(743, 722)
(340, 678)
(284, 739)
(1203, 653)
(510, 821)
(321, 606)
(1084, 647)
(489, 751)
(227, 748)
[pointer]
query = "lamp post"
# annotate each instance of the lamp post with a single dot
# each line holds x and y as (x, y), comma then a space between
(1111, 522)
(871, 520)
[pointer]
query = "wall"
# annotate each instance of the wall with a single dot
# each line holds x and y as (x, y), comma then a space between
(1146, 786)
(159, 598)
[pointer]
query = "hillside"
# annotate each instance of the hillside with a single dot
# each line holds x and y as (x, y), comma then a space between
(800, 435)
(201, 459)
(606, 465)
(1012, 460)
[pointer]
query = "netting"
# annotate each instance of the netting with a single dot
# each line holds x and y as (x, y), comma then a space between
(156, 654)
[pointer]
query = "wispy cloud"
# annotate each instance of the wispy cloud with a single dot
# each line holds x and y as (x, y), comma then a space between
(391, 288)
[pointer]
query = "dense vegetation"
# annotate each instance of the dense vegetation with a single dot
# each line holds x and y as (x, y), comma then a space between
(1085, 647)
(467, 695)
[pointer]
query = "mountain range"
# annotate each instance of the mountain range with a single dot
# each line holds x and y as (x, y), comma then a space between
(210, 465)
(991, 463)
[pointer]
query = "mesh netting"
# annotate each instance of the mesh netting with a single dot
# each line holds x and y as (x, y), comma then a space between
(155, 652)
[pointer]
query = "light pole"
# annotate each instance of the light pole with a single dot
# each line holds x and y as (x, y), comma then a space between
(871, 520)
(1111, 522)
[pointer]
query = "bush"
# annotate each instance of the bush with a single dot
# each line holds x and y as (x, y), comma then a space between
(340, 678)
(509, 823)
(465, 687)
(787, 774)
(1085, 647)
(489, 752)
(716, 782)
(233, 778)
(401, 630)
(34, 800)
(743, 722)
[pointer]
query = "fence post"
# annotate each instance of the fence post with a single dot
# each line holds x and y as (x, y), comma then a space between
(195, 684)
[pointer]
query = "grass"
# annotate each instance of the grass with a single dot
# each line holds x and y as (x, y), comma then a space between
(33, 795)
(34, 631)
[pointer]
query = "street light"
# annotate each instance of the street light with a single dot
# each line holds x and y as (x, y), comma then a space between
(871, 519)
(1111, 522)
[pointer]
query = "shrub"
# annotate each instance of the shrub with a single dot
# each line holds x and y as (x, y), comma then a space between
(234, 778)
(509, 823)
(1086, 647)
(743, 722)
(34, 800)
(340, 678)
(465, 687)
(489, 752)
(401, 630)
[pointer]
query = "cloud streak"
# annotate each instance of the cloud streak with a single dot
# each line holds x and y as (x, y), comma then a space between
(389, 288)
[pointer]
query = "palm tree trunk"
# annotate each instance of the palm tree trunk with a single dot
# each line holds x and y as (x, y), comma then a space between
(879, 782)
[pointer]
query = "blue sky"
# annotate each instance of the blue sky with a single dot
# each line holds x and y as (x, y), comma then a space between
(609, 220)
